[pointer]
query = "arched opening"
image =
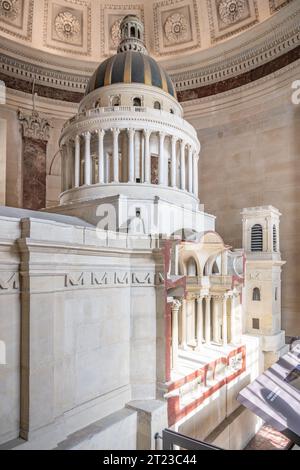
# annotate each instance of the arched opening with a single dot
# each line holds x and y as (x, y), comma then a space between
(191, 267)
(172, 111)
(257, 238)
(137, 102)
(215, 268)
(256, 294)
(98, 104)
(132, 31)
(274, 238)
(157, 105)
(115, 101)
(139, 34)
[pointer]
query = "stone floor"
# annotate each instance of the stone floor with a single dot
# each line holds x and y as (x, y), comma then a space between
(268, 438)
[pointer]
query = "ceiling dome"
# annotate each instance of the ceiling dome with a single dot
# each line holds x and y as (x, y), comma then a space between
(132, 63)
(131, 67)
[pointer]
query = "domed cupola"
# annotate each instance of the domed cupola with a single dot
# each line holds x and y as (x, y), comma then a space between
(132, 35)
(131, 64)
(129, 140)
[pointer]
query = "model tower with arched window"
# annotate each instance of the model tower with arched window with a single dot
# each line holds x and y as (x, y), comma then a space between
(263, 279)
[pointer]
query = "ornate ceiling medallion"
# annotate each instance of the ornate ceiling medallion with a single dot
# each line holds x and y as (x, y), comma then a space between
(176, 27)
(67, 26)
(231, 11)
(9, 9)
(115, 33)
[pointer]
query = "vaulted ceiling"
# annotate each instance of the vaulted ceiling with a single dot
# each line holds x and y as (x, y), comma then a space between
(89, 29)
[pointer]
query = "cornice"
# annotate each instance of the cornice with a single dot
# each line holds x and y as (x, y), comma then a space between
(65, 79)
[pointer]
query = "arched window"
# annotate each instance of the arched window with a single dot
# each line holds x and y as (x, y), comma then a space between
(132, 31)
(137, 102)
(98, 104)
(256, 294)
(274, 238)
(157, 105)
(191, 267)
(115, 101)
(215, 268)
(172, 111)
(257, 238)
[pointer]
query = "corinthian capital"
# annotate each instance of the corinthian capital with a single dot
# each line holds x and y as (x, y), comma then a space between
(34, 126)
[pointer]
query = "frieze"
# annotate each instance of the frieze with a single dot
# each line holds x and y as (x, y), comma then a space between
(106, 279)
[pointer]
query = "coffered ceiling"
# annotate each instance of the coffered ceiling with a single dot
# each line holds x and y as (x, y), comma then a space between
(89, 29)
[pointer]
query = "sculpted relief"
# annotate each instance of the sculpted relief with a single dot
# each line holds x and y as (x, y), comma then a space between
(67, 26)
(176, 28)
(231, 11)
(10, 9)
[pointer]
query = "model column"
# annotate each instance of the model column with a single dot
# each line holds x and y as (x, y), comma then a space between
(195, 175)
(173, 163)
(183, 324)
(87, 158)
(77, 161)
(161, 175)
(131, 166)
(101, 134)
(224, 320)
(207, 319)
(147, 135)
(190, 161)
(199, 322)
(175, 310)
(116, 133)
(182, 165)
(216, 322)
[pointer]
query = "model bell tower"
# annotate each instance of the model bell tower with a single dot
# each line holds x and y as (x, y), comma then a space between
(261, 242)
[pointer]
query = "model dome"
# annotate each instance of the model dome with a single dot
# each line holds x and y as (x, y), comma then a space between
(131, 64)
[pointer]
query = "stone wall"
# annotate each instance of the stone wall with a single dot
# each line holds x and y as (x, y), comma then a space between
(81, 315)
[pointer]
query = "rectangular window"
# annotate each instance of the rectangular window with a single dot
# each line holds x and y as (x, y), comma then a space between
(255, 323)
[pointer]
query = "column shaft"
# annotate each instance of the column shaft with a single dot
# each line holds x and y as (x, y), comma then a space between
(224, 321)
(175, 310)
(87, 159)
(207, 320)
(116, 133)
(196, 176)
(77, 162)
(199, 322)
(147, 135)
(190, 161)
(182, 166)
(131, 163)
(101, 134)
(161, 175)
(173, 163)
(183, 324)
(216, 322)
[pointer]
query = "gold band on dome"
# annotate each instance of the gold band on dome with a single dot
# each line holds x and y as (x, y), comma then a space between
(108, 71)
(92, 84)
(164, 80)
(147, 71)
(127, 68)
